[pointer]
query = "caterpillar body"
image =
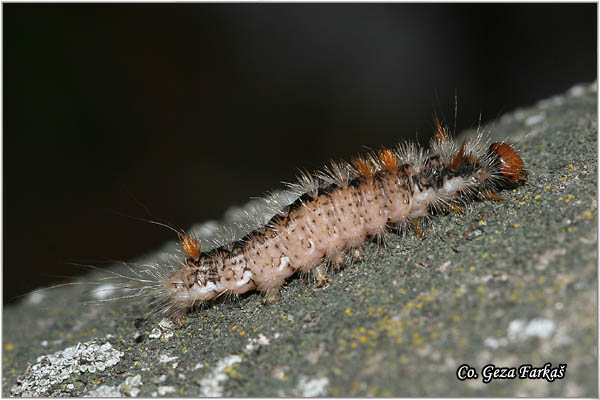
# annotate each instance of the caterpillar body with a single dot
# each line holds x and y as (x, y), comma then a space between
(335, 212)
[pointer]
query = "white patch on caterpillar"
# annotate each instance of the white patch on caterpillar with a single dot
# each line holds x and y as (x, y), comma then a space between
(283, 263)
(245, 279)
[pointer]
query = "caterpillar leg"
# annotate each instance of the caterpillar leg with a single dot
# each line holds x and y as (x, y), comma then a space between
(488, 194)
(357, 254)
(339, 260)
(179, 320)
(416, 224)
(271, 295)
(320, 274)
(457, 209)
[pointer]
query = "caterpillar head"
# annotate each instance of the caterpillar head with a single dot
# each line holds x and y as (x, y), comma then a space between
(510, 163)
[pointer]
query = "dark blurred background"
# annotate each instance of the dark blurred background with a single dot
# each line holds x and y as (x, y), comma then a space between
(192, 108)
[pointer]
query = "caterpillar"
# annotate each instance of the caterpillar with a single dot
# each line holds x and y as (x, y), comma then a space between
(335, 212)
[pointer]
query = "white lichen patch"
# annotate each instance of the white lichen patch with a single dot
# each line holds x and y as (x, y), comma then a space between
(535, 119)
(164, 390)
(105, 291)
(131, 386)
(212, 385)
(254, 343)
(520, 330)
(165, 358)
(164, 330)
(495, 343)
(540, 327)
(105, 391)
(35, 297)
(55, 368)
(312, 387)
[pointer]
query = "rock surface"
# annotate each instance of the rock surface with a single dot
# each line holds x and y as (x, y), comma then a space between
(509, 283)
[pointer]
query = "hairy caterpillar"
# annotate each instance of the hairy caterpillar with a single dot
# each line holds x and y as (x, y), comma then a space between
(335, 212)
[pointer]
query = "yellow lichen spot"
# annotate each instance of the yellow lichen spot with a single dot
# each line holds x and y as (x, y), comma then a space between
(147, 332)
(417, 340)
(563, 178)
(537, 196)
(348, 311)
(480, 289)
(136, 362)
(242, 332)
(425, 298)
(517, 225)
(353, 344)
(456, 318)
(362, 339)
(96, 381)
(547, 187)
(362, 330)
(570, 229)
(399, 340)
(371, 332)
(541, 280)
(233, 328)
(571, 166)
(419, 305)
(222, 315)
(229, 370)
(284, 317)
(9, 346)
(588, 214)
(472, 268)
(355, 385)
(522, 203)
(402, 291)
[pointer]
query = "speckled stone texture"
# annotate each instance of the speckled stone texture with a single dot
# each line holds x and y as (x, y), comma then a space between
(509, 283)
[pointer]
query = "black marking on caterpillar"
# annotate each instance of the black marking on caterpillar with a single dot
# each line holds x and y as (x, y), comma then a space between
(334, 212)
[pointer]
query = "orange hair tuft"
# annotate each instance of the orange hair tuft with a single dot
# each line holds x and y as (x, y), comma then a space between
(364, 168)
(190, 246)
(388, 160)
